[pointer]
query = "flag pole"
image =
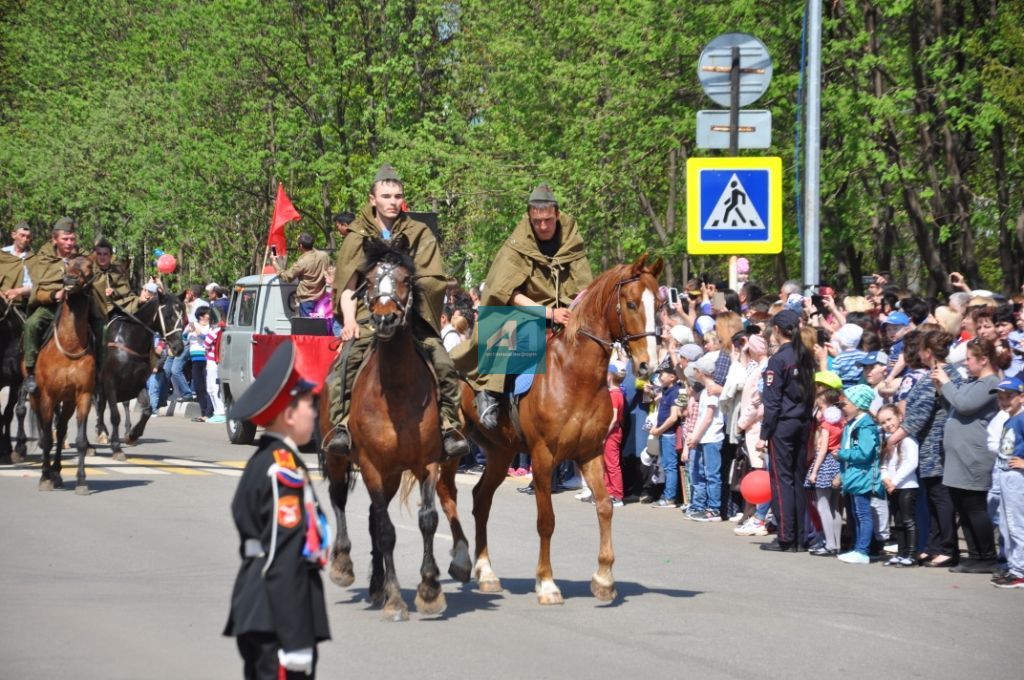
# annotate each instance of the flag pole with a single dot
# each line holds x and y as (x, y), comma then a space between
(266, 248)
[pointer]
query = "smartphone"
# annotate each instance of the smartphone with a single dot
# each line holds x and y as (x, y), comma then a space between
(867, 280)
(673, 296)
(718, 301)
(273, 251)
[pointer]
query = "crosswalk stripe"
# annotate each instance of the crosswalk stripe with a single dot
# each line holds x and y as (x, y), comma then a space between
(208, 467)
(34, 472)
(158, 464)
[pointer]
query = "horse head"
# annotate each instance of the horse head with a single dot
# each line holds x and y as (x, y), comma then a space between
(78, 274)
(390, 274)
(170, 322)
(633, 319)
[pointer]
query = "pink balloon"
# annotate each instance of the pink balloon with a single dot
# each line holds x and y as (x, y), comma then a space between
(756, 488)
(742, 266)
(166, 263)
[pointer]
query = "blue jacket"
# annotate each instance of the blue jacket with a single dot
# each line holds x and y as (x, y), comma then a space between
(859, 456)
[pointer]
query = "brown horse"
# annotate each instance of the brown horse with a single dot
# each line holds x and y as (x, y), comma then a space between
(66, 374)
(395, 429)
(565, 416)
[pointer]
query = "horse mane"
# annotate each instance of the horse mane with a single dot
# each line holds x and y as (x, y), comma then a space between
(378, 250)
(590, 306)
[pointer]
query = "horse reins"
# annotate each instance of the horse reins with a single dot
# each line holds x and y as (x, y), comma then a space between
(623, 340)
(374, 293)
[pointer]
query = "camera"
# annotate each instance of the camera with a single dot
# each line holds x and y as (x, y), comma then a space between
(867, 280)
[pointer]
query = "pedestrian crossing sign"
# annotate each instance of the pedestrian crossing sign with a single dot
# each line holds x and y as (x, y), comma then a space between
(734, 206)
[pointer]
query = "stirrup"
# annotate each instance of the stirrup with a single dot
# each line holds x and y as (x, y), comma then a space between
(455, 445)
(487, 409)
(340, 444)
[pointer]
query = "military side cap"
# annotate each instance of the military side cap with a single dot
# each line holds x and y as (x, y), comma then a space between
(542, 194)
(22, 224)
(64, 224)
(274, 388)
(386, 173)
(102, 242)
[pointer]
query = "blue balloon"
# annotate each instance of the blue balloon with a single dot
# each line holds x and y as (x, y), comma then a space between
(157, 252)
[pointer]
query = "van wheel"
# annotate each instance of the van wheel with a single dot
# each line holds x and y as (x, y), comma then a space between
(239, 431)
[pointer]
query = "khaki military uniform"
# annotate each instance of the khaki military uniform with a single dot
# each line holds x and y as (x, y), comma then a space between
(431, 281)
(311, 271)
(47, 272)
(12, 274)
(521, 268)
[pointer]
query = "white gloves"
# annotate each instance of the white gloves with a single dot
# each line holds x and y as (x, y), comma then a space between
(299, 660)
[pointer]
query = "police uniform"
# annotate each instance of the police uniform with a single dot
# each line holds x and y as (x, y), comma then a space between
(786, 428)
(278, 612)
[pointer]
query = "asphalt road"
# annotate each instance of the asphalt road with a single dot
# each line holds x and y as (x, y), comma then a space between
(133, 582)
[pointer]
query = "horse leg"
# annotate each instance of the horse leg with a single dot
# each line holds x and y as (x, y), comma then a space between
(429, 596)
(116, 452)
(374, 487)
(543, 462)
(5, 425)
(483, 494)
(341, 572)
(44, 413)
(135, 433)
(63, 415)
(395, 608)
(447, 493)
(602, 583)
(82, 442)
(20, 410)
(102, 436)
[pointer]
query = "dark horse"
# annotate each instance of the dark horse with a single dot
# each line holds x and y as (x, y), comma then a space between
(126, 364)
(395, 429)
(12, 324)
(565, 416)
(66, 375)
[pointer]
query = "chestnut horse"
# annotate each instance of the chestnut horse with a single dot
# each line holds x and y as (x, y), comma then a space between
(66, 375)
(395, 432)
(565, 416)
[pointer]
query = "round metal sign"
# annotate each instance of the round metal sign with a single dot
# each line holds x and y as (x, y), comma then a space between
(715, 66)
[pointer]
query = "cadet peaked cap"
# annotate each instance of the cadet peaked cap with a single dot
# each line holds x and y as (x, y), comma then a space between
(274, 388)
(542, 194)
(386, 173)
(64, 224)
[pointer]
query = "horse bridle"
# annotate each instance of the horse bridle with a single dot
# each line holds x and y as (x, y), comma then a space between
(385, 274)
(623, 339)
(69, 286)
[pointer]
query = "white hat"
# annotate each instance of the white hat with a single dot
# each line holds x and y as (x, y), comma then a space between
(848, 336)
(681, 334)
(210, 286)
(706, 364)
(705, 324)
(690, 352)
(152, 288)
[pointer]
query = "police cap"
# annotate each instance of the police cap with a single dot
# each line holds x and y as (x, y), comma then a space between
(786, 320)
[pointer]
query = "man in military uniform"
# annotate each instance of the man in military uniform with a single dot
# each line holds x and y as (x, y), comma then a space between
(311, 271)
(15, 282)
(384, 217)
(278, 613)
(542, 264)
(109, 286)
(47, 273)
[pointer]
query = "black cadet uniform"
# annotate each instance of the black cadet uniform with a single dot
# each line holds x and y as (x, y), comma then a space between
(786, 428)
(278, 598)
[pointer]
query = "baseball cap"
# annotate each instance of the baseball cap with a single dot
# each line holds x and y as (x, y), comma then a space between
(706, 364)
(1009, 385)
(690, 352)
(829, 379)
(897, 319)
(873, 358)
(152, 288)
(681, 334)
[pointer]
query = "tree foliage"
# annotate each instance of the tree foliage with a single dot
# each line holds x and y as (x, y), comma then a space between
(166, 124)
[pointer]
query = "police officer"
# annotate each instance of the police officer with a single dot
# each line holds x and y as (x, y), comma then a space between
(278, 613)
(788, 404)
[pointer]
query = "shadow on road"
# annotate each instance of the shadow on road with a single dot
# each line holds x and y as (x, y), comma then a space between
(104, 485)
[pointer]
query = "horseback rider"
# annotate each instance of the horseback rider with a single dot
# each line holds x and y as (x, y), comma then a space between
(47, 272)
(542, 264)
(15, 259)
(384, 217)
(109, 286)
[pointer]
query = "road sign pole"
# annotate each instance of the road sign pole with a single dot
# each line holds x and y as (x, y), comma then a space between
(812, 165)
(734, 102)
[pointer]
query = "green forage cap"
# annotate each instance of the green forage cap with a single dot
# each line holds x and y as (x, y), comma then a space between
(387, 173)
(65, 224)
(542, 194)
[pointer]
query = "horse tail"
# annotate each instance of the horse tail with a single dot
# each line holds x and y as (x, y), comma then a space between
(408, 482)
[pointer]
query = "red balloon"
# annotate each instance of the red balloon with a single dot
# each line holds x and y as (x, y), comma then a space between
(756, 488)
(166, 263)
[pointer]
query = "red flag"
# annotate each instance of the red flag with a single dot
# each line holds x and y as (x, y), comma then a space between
(284, 212)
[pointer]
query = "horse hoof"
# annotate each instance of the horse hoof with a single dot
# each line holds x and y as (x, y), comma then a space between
(58, 482)
(119, 456)
(103, 439)
(459, 572)
(82, 490)
(431, 607)
(548, 593)
(17, 457)
(342, 574)
(89, 450)
(491, 585)
(603, 591)
(377, 599)
(461, 567)
(131, 441)
(45, 485)
(396, 613)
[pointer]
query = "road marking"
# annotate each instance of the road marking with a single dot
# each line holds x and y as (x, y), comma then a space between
(157, 464)
(206, 467)
(33, 472)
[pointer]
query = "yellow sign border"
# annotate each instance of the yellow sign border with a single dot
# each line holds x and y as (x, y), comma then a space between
(694, 244)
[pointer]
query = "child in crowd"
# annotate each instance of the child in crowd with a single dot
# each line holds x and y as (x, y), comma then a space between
(706, 438)
(847, 358)
(613, 441)
(664, 432)
(823, 475)
(1006, 497)
(899, 476)
(858, 456)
